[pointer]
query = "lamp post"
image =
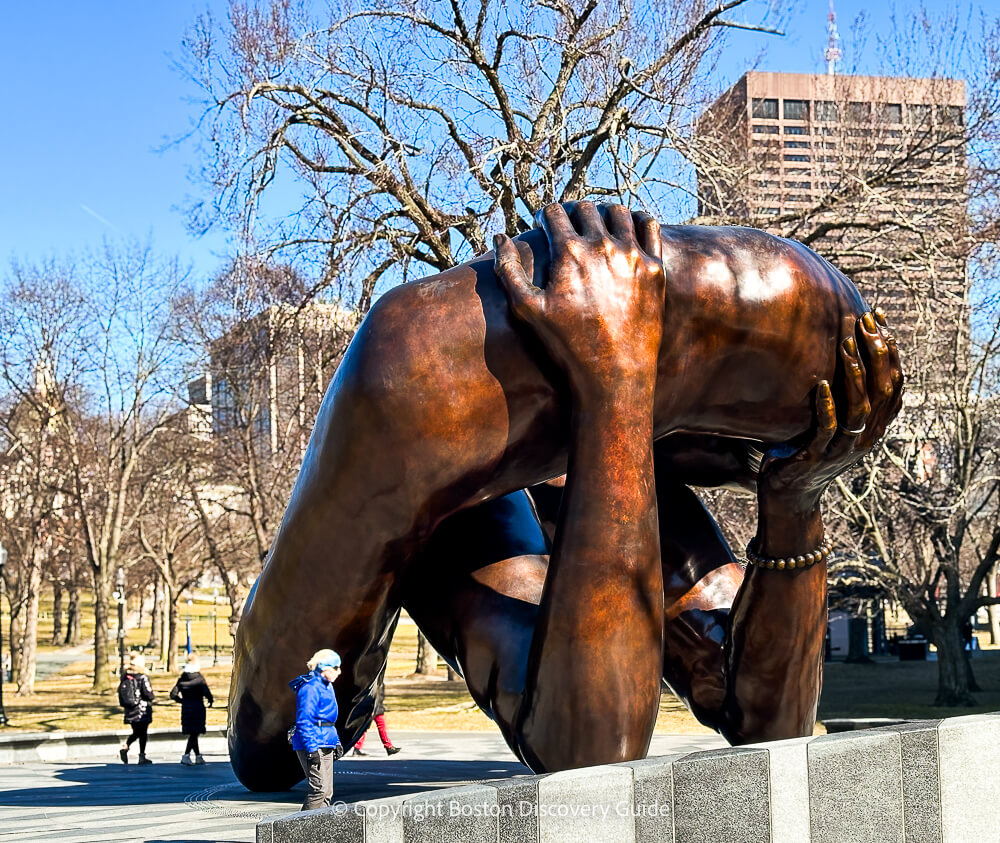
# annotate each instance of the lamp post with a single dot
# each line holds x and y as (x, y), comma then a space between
(119, 595)
(215, 627)
(3, 561)
(187, 623)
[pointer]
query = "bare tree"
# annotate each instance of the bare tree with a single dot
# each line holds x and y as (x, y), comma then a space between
(168, 530)
(269, 352)
(28, 510)
(126, 369)
(416, 129)
(229, 544)
(923, 520)
(896, 181)
(38, 315)
(427, 657)
(72, 573)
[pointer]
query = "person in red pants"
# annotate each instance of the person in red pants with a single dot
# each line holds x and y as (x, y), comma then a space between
(383, 733)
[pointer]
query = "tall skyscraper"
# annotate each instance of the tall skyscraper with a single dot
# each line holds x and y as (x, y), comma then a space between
(869, 171)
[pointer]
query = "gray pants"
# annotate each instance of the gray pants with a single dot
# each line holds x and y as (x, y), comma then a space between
(319, 777)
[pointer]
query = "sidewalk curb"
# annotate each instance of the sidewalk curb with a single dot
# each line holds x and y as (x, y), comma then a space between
(26, 747)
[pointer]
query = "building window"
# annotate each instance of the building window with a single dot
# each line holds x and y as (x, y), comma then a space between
(918, 115)
(797, 144)
(950, 115)
(796, 130)
(827, 111)
(796, 157)
(766, 109)
(803, 184)
(796, 109)
(859, 112)
(764, 129)
(890, 112)
(771, 211)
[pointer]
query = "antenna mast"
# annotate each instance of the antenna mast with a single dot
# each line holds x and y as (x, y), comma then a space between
(832, 53)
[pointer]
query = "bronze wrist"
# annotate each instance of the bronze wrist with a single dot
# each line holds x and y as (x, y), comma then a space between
(788, 563)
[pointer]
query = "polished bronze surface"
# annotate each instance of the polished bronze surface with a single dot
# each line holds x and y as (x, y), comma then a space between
(734, 350)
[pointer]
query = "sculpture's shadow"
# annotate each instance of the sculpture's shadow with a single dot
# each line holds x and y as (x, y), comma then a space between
(214, 789)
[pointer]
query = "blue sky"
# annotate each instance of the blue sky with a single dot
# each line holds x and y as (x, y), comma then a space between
(90, 98)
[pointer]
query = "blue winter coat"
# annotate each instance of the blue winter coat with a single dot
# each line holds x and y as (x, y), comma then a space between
(315, 713)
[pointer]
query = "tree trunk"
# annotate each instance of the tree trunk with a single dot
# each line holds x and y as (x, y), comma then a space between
(16, 639)
(172, 650)
(994, 611)
(236, 604)
(857, 641)
(231, 583)
(73, 616)
(57, 613)
(102, 650)
(955, 679)
(156, 622)
(27, 656)
(426, 656)
(164, 630)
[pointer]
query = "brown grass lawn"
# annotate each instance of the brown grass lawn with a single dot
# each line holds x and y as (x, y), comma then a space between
(883, 689)
(412, 702)
(200, 611)
(67, 703)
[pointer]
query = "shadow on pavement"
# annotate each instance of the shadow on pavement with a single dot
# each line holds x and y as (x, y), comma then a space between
(214, 785)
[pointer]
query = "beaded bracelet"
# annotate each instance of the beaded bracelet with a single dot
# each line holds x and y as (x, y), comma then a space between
(789, 562)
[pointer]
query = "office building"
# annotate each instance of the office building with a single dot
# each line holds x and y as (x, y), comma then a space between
(268, 375)
(868, 171)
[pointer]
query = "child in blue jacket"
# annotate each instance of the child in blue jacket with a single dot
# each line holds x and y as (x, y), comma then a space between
(315, 738)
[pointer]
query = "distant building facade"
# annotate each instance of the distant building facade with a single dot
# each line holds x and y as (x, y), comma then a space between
(777, 146)
(268, 375)
(872, 173)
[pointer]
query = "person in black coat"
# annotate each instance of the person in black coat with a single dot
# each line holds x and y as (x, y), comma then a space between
(191, 691)
(135, 693)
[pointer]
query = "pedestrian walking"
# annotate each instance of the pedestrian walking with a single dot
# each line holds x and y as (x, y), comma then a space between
(192, 691)
(383, 732)
(314, 738)
(135, 695)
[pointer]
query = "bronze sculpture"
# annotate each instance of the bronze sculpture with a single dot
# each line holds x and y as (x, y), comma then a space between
(461, 390)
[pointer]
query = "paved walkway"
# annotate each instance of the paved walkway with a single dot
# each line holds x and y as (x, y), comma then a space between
(51, 663)
(76, 802)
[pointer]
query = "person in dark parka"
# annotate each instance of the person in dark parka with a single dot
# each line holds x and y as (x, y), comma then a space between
(138, 705)
(191, 691)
